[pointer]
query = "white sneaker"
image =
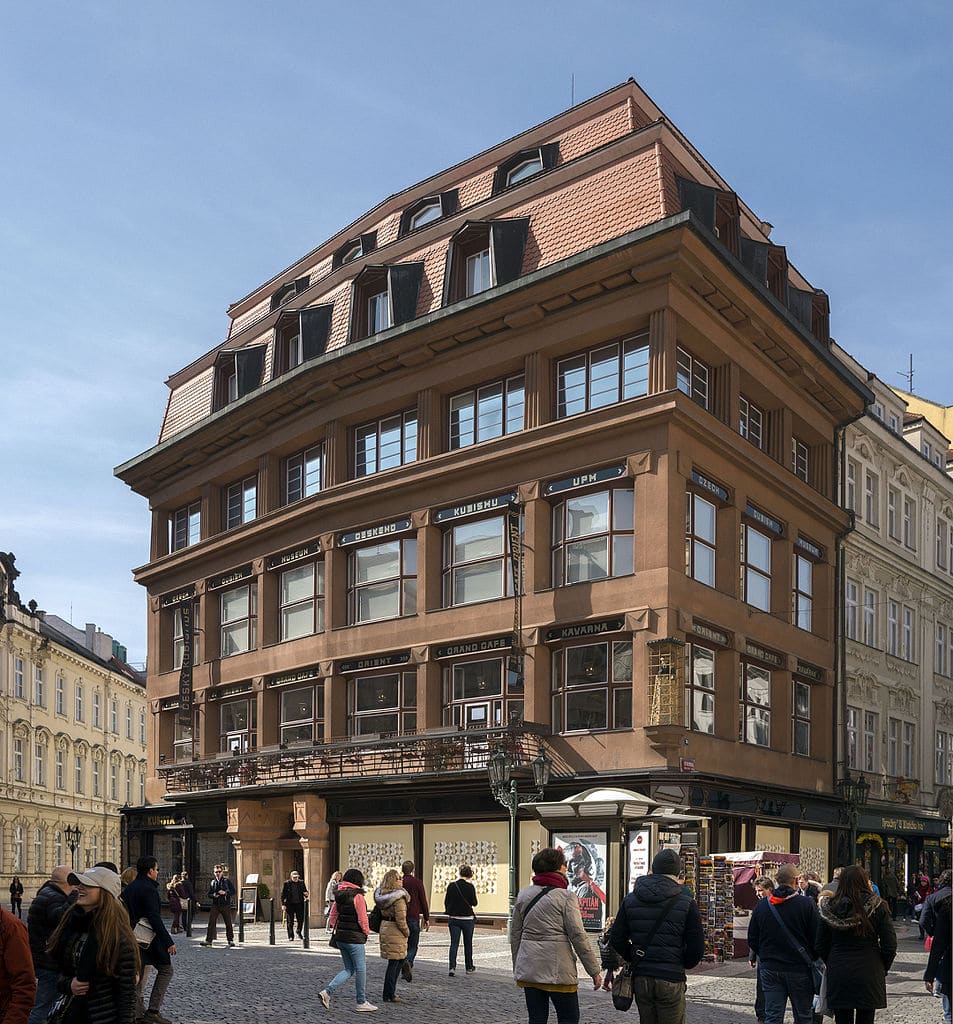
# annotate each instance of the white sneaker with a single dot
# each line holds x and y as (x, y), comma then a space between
(365, 1007)
(325, 998)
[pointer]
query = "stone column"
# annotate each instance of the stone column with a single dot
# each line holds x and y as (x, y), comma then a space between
(311, 824)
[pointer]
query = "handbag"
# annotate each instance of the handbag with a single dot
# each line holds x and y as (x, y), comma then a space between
(820, 1000)
(333, 941)
(622, 988)
(818, 967)
(375, 918)
(144, 932)
(928, 943)
(59, 1009)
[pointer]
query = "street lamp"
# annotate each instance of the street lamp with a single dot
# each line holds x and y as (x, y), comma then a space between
(505, 788)
(73, 835)
(854, 791)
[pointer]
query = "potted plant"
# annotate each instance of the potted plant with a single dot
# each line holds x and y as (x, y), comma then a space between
(264, 901)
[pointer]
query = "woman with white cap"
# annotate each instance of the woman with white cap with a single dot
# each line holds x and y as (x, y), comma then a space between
(97, 954)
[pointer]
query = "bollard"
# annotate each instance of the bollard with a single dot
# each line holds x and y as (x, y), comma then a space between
(305, 931)
(241, 920)
(271, 924)
(188, 919)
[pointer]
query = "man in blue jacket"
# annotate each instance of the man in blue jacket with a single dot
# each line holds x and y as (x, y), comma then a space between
(780, 923)
(141, 897)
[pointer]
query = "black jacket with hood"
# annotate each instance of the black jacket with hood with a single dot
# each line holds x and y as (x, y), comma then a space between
(769, 943)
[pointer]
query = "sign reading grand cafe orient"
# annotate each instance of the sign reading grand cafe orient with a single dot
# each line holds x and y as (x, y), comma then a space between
(537, 457)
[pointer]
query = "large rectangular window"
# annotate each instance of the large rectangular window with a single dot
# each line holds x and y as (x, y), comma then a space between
(908, 750)
(302, 714)
(593, 536)
(910, 523)
(489, 411)
(185, 526)
(754, 705)
(942, 530)
(803, 592)
(700, 521)
(908, 646)
(756, 567)
(384, 704)
(872, 498)
(18, 678)
(851, 610)
(893, 518)
(39, 687)
(183, 740)
(751, 422)
(802, 718)
(238, 725)
(304, 474)
(893, 628)
(853, 737)
(476, 566)
(378, 312)
(482, 693)
(870, 617)
(19, 766)
(178, 636)
(241, 502)
(869, 763)
(301, 606)
(239, 619)
(939, 656)
(851, 496)
(383, 581)
(799, 463)
(602, 376)
(943, 769)
(385, 444)
(592, 687)
(691, 377)
(700, 689)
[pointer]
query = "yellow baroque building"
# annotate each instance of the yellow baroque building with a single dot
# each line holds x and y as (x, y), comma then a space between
(72, 741)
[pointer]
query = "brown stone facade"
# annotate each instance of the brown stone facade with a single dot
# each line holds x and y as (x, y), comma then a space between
(653, 411)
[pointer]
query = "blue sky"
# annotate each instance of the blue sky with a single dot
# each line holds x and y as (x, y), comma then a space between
(161, 160)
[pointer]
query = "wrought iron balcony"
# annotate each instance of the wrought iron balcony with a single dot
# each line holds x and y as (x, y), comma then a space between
(434, 752)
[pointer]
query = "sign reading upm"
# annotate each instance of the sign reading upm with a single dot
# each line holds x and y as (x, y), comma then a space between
(593, 476)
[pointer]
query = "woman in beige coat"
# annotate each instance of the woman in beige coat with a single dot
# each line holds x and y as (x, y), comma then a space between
(546, 936)
(393, 900)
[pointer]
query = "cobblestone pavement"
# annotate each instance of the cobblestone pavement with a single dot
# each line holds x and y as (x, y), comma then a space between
(256, 983)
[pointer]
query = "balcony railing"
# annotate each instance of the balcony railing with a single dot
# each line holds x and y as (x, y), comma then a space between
(900, 789)
(433, 752)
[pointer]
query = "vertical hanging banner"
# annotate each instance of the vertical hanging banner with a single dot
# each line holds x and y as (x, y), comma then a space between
(516, 569)
(186, 610)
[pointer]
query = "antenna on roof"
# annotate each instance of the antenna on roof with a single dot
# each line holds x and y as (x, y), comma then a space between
(908, 376)
(572, 90)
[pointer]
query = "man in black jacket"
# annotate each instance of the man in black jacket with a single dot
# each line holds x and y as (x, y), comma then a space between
(220, 893)
(928, 914)
(785, 972)
(43, 916)
(293, 895)
(141, 897)
(659, 961)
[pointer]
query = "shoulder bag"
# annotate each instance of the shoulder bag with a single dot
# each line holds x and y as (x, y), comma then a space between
(622, 985)
(375, 918)
(818, 967)
(144, 932)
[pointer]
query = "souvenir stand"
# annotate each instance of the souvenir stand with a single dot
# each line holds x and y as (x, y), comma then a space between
(745, 868)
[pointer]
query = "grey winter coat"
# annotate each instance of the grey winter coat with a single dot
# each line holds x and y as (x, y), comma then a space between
(394, 929)
(547, 941)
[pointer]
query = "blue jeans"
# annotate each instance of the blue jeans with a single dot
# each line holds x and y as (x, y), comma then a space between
(45, 996)
(780, 986)
(390, 979)
(566, 1005)
(355, 963)
(461, 926)
(413, 940)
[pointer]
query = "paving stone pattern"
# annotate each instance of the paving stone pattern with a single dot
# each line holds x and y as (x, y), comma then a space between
(256, 983)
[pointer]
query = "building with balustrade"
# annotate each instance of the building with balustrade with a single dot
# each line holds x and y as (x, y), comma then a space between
(539, 454)
(72, 740)
(897, 706)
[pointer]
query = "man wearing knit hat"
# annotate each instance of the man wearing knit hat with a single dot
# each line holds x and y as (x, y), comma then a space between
(659, 931)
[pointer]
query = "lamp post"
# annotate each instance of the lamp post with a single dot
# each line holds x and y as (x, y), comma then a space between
(854, 791)
(73, 834)
(505, 788)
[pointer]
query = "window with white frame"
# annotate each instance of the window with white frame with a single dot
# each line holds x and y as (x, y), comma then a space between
(942, 530)
(182, 740)
(142, 795)
(754, 705)
(378, 312)
(18, 678)
(39, 687)
(185, 526)
(57, 847)
(593, 536)
(478, 271)
(700, 689)
(939, 655)
(908, 647)
(304, 473)
(592, 687)
(910, 523)
(114, 717)
(907, 750)
(19, 763)
(39, 763)
(97, 777)
(428, 213)
(872, 498)
(871, 599)
(97, 710)
(602, 376)
(893, 423)
(239, 621)
(384, 704)
(523, 170)
(302, 714)
(893, 628)
(851, 496)
(301, 601)
(871, 729)
(751, 423)
(241, 502)
(851, 610)
(756, 567)
(128, 788)
(802, 719)
(803, 592)
(943, 765)
(700, 538)
(60, 769)
(60, 696)
(691, 377)
(114, 781)
(486, 412)
(853, 737)
(178, 637)
(142, 726)
(19, 855)
(480, 693)
(39, 861)
(385, 444)
(79, 774)
(799, 463)
(893, 516)
(382, 581)
(476, 562)
(79, 709)
(128, 722)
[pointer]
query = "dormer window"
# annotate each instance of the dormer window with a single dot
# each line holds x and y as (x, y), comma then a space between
(716, 208)
(300, 335)
(427, 210)
(237, 373)
(384, 297)
(524, 165)
(378, 313)
(430, 212)
(482, 255)
(352, 252)
(289, 291)
(354, 248)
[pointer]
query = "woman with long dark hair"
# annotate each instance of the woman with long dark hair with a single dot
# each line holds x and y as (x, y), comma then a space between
(350, 928)
(857, 941)
(16, 896)
(97, 954)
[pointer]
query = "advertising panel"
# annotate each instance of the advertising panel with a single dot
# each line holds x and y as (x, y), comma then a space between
(640, 843)
(585, 854)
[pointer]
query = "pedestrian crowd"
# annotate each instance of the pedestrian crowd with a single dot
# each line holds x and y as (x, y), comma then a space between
(94, 939)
